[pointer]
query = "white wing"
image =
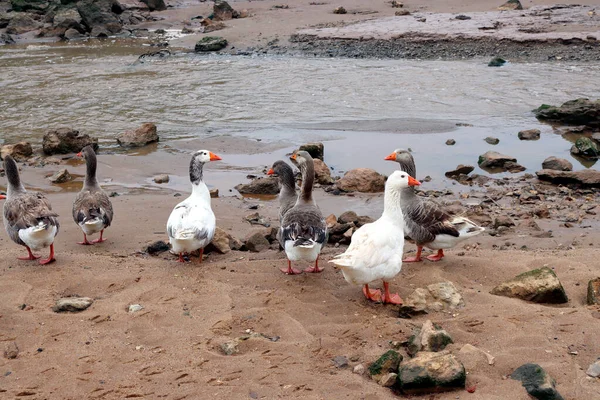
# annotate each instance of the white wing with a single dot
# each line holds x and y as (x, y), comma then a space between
(191, 220)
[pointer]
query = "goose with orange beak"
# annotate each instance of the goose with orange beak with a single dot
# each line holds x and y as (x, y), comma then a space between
(287, 186)
(426, 222)
(375, 250)
(191, 225)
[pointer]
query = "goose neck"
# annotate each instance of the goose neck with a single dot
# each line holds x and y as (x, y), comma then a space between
(308, 180)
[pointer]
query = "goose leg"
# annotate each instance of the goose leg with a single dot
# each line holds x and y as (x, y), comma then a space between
(100, 239)
(373, 295)
(181, 259)
(437, 257)
(316, 268)
(389, 298)
(200, 256)
(50, 257)
(85, 241)
(29, 257)
(289, 270)
(417, 257)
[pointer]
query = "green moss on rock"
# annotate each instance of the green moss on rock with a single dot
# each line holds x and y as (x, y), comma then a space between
(388, 362)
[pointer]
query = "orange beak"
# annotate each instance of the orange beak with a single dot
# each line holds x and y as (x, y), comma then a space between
(270, 172)
(293, 157)
(391, 157)
(79, 154)
(214, 157)
(413, 182)
(2, 197)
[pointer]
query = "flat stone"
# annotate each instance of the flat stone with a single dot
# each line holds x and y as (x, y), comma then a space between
(573, 112)
(431, 373)
(61, 176)
(594, 370)
(539, 286)
(529, 134)
(430, 337)
(162, 178)
(72, 304)
(340, 361)
(593, 292)
(257, 219)
(586, 177)
(537, 382)
(558, 164)
(460, 170)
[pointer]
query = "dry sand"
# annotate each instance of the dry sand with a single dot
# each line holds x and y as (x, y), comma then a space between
(170, 349)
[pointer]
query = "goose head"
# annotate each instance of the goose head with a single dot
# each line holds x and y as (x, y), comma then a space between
(2, 196)
(399, 180)
(204, 156)
(86, 152)
(405, 159)
(278, 168)
(301, 158)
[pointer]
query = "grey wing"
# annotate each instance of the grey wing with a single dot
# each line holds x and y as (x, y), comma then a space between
(27, 210)
(89, 205)
(304, 223)
(426, 219)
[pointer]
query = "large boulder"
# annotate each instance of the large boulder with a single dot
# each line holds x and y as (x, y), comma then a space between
(322, 172)
(39, 6)
(222, 11)
(539, 286)
(431, 372)
(586, 177)
(19, 151)
(139, 137)
(586, 147)
(557, 164)
(362, 180)
(268, 185)
(22, 23)
(68, 18)
(573, 112)
(537, 382)
(155, 5)
(210, 43)
(316, 149)
(496, 161)
(67, 140)
(99, 16)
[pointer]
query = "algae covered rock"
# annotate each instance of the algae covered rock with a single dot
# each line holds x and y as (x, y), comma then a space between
(586, 147)
(574, 112)
(431, 372)
(537, 382)
(539, 286)
(385, 364)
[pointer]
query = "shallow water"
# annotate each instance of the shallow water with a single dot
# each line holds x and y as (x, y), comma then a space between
(361, 109)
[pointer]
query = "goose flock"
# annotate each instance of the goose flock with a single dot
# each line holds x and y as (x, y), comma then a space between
(375, 251)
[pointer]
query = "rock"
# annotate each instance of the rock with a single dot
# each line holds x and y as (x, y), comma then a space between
(492, 140)
(162, 178)
(270, 234)
(339, 10)
(401, 13)
(210, 43)
(11, 351)
(72, 304)
(462, 17)
(68, 18)
(539, 286)
(316, 150)
(257, 219)
(396, 4)
(593, 370)
(61, 176)
(431, 372)
(511, 5)
(139, 137)
(387, 363)
(157, 247)
(359, 369)
(437, 297)
(388, 380)
(209, 25)
(497, 62)
(331, 220)
(322, 173)
(72, 34)
(586, 147)
(495, 160)
(430, 337)
(558, 164)
(529, 134)
(5, 38)
(573, 112)
(363, 220)
(133, 308)
(587, 177)
(267, 185)
(5, 19)
(362, 180)
(214, 193)
(450, 142)
(340, 361)
(30, 5)
(537, 382)
(155, 5)
(222, 11)
(256, 242)
(348, 217)
(593, 292)
(460, 170)
(19, 151)
(503, 220)
(473, 358)
(22, 23)
(67, 140)
(231, 347)
(222, 241)
(98, 17)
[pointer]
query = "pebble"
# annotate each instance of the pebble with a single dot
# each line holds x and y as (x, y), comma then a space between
(594, 369)
(163, 178)
(11, 351)
(135, 308)
(72, 304)
(388, 380)
(359, 369)
(340, 361)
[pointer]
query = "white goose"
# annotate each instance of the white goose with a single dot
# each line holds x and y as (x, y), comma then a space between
(375, 250)
(426, 222)
(191, 225)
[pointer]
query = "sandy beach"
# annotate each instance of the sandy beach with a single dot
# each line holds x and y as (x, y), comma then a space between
(288, 329)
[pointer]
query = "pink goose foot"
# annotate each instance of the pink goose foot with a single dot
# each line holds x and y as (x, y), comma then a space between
(29, 257)
(289, 270)
(436, 257)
